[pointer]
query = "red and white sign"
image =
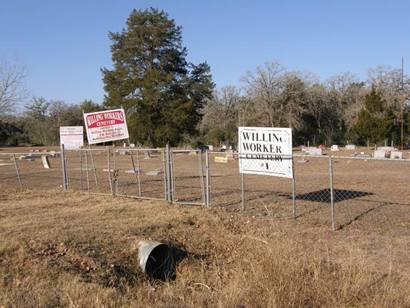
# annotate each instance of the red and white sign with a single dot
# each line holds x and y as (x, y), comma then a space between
(108, 125)
(71, 137)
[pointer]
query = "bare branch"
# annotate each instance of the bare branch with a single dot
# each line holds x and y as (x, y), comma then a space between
(12, 90)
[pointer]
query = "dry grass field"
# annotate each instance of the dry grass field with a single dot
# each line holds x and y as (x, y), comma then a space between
(77, 249)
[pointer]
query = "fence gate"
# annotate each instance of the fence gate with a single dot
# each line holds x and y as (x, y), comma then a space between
(190, 177)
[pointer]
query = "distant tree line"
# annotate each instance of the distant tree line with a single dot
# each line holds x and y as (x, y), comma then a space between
(168, 99)
(339, 110)
(40, 122)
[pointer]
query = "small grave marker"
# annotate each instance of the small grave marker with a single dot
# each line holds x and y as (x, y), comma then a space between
(396, 155)
(221, 159)
(380, 154)
(44, 160)
(154, 172)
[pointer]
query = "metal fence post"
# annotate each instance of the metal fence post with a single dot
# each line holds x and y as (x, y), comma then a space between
(93, 166)
(109, 170)
(133, 169)
(242, 191)
(293, 189)
(17, 171)
(63, 167)
(86, 171)
(139, 175)
(168, 173)
(332, 204)
(165, 173)
(202, 177)
(66, 166)
(207, 180)
(81, 168)
(171, 174)
(116, 173)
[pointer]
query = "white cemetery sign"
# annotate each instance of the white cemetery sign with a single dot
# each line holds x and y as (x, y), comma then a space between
(108, 125)
(71, 137)
(265, 151)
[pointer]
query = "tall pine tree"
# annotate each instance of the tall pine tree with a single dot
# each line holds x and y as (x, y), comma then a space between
(161, 92)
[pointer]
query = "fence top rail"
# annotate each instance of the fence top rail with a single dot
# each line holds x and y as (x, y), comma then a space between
(141, 149)
(184, 151)
(371, 158)
(33, 154)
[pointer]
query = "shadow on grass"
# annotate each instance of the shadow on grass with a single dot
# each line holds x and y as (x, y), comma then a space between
(339, 195)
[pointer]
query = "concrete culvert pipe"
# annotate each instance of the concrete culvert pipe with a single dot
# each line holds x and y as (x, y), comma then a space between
(156, 260)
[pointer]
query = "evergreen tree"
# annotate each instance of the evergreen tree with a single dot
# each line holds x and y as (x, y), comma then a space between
(161, 92)
(375, 123)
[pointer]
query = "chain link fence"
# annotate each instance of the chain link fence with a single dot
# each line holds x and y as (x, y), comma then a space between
(33, 169)
(325, 190)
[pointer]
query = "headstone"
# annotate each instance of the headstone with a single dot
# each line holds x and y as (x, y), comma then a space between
(396, 155)
(361, 154)
(123, 152)
(210, 147)
(380, 154)
(350, 147)
(334, 148)
(132, 145)
(154, 172)
(133, 171)
(44, 160)
(387, 148)
(315, 151)
(221, 159)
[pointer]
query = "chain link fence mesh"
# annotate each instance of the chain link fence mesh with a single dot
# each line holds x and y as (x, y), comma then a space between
(359, 187)
(367, 187)
(33, 170)
(188, 173)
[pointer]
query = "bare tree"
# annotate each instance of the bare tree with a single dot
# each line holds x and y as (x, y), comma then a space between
(264, 87)
(12, 89)
(388, 81)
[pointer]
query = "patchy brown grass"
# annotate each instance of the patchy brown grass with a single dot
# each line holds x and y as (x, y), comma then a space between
(72, 249)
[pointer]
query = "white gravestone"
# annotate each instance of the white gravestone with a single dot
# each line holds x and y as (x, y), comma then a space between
(380, 154)
(315, 151)
(396, 155)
